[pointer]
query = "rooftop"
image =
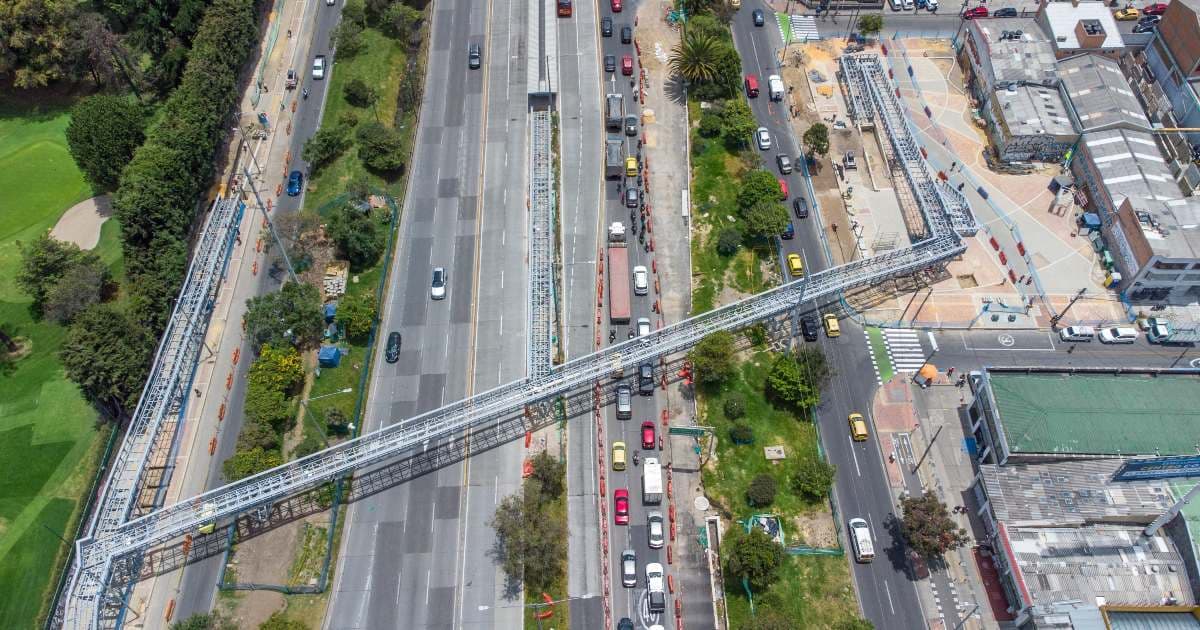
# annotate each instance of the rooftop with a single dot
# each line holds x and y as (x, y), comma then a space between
(1071, 493)
(1030, 110)
(1018, 50)
(1099, 92)
(1098, 414)
(1064, 16)
(1152, 620)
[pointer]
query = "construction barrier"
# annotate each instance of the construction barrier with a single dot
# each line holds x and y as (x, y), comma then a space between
(527, 469)
(237, 354)
(170, 610)
(221, 413)
(670, 579)
(229, 381)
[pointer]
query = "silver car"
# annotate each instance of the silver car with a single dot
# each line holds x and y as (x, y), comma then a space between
(654, 529)
(763, 137)
(628, 568)
(643, 326)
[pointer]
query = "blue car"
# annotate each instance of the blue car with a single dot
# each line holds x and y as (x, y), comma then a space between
(789, 232)
(295, 183)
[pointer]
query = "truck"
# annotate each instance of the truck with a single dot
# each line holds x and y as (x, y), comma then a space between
(614, 111)
(652, 486)
(618, 275)
(775, 87)
(614, 159)
(1159, 330)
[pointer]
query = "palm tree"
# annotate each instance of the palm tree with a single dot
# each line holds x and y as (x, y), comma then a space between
(695, 57)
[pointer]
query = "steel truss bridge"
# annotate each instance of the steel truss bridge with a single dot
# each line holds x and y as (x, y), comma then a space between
(105, 561)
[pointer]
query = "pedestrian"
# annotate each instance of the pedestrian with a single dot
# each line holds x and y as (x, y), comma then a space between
(961, 185)
(1070, 348)
(289, 33)
(950, 372)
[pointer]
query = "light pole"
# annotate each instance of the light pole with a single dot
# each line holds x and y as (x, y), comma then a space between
(304, 404)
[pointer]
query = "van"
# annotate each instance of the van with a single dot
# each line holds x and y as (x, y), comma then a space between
(1077, 333)
(1118, 335)
(860, 539)
(831, 325)
(751, 85)
(624, 402)
(614, 111)
(775, 87)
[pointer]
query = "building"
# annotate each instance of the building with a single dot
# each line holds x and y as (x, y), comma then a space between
(1099, 96)
(1080, 27)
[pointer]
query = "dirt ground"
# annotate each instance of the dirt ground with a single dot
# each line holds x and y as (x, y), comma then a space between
(268, 559)
(81, 223)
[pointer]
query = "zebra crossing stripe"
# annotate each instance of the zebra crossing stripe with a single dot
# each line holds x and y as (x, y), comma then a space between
(802, 28)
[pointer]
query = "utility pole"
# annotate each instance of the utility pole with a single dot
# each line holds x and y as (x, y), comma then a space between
(1057, 318)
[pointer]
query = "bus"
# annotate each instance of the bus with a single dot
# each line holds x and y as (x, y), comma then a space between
(564, 8)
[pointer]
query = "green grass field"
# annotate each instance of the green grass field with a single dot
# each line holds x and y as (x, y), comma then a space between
(49, 447)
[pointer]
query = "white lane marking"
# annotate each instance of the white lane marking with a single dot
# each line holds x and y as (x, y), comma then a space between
(855, 456)
(427, 586)
(888, 588)
(502, 286)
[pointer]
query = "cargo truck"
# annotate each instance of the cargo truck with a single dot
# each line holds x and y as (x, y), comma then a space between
(618, 275)
(651, 482)
(614, 159)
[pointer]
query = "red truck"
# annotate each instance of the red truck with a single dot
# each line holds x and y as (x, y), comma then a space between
(618, 275)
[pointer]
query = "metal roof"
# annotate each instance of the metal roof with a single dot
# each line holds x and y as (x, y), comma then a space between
(1100, 93)
(1030, 110)
(1062, 17)
(1152, 620)
(1027, 57)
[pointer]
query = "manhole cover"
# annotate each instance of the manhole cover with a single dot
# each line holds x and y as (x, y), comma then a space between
(701, 503)
(1007, 340)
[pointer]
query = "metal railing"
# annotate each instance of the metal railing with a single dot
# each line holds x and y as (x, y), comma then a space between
(541, 242)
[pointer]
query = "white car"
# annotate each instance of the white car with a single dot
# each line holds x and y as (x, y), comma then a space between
(641, 280)
(931, 5)
(763, 137)
(628, 568)
(1118, 335)
(438, 288)
(908, 5)
(654, 529)
(643, 326)
(319, 68)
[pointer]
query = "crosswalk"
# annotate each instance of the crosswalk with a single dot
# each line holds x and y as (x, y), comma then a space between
(803, 28)
(904, 348)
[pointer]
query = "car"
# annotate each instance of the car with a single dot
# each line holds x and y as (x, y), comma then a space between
(610, 63)
(1005, 12)
(615, 5)
(291, 80)
(437, 289)
(849, 162)
(627, 65)
(330, 3)
(737, 4)
(392, 353)
(628, 568)
(1126, 14)
(751, 86)
(789, 232)
(621, 506)
(624, 402)
(832, 329)
(897, 5)
(632, 197)
(643, 326)
(800, 206)
(785, 163)
(858, 427)
(295, 183)
(627, 34)
(648, 434)
(759, 17)
(1118, 335)
(763, 138)
(657, 600)
(1157, 8)
(931, 6)
(908, 5)
(625, 624)
(474, 57)
(618, 455)
(1149, 19)
(783, 190)
(646, 379)
(631, 166)
(795, 265)
(1145, 27)
(631, 124)
(977, 12)
(318, 72)
(1077, 333)
(654, 529)
(641, 280)
(606, 27)
(808, 327)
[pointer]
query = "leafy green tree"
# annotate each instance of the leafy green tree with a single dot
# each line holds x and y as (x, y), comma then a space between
(107, 354)
(36, 41)
(702, 23)
(757, 186)
(358, 93)
(347, 38)
(268, 406)
(246, 463)
(528, 537)
(337, 421)
(728, 70)
(81, 286)
(357, 314)
(813, 479)
(358, 237)
(816, 367)
(712, 358)
(761, 491)
(737, 123)
(154, 282)
(696, 57)
(277, 621)
(551, 474)
(326, 145)
(787, 384)
(927, 527)
(380, 148)
(279, 369)
(710, 124)
(765, 218)
(817, 139)
(355, 12)
(103, 133)
(402, 22)
(44, 261)
(289, 316)
(255, 434)
(870, 24)
(735, 405)
(729, 239)
(754, 557)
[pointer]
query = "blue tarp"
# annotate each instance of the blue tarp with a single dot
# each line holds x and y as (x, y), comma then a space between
(330, 311)
(329, 356)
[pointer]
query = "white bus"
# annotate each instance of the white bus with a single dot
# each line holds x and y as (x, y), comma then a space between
(652, 485)
(860, 537)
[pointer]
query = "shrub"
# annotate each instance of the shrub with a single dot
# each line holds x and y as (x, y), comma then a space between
(729, 239)
(710, 124)
(735, 406)
(326, 145)
(712, 358)
(358, 93)
(761, 491)
(380, 148)
(741, 433)
(357, 237)
(813, 479)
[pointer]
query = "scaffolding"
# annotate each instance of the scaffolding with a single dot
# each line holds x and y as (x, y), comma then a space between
(541, 243)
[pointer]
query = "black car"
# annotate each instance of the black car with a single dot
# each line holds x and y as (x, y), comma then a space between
(632, 197)
(808, 326)
(800, 205)
(610, 63)
(625, 624)
(759, 18)
(631, 125)
(606, 27)
(474, 56)
(1005, 12)
(626, 34)
(646, 379)
(1148, 27)
(392, 354)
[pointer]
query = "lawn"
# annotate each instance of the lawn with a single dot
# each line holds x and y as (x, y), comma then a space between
(49, 451)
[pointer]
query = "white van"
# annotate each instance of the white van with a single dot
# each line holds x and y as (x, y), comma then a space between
(860, 537)
(775, 87)
(1077, 333)
(1118, 335)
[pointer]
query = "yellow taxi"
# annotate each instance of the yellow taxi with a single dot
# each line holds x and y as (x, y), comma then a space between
(795, 266)
(1127, 14)
(618, 456)
(831, 325)
(737, 4)
(858, 427)
(631, 169)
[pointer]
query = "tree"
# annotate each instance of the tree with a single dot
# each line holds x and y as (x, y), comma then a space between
(103, 133)
(765, 219)
(347, 37)
(870, 24)
(528, 537)
(753, 556)
(337, 421)
(81, 286)
(737, 123)
(268, 406)
(729, 70)
(44, 261)
(255, 434)
(356, 313)
(358, 238)
(696, 57)
(701, 23)
(815, 366)
(280, 369)
(729, 239)
(710, 124)
(761, 491)
(107, 354)
(813, 479)
(289, 316)
(551, 474)
(243, 464)
(358, 93)
(402, 22)
(757, 186)
(380, 148)
(817, 139)
(325, 145)
(712, 358)
(278, 622)
(927, 527)
(735, 405)
(787, 384)
(36, 41)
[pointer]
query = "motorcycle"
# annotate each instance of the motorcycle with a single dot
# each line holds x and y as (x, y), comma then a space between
(635, 458)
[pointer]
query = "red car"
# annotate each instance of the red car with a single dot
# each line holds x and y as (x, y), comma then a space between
(627, 65)
(616, 6)
(621, 506)
(783, 190)
(648, 434)
(751, 85)
(1158, 8)
(977, 12)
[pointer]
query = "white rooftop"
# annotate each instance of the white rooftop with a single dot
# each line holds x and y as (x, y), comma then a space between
(1063, 17)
